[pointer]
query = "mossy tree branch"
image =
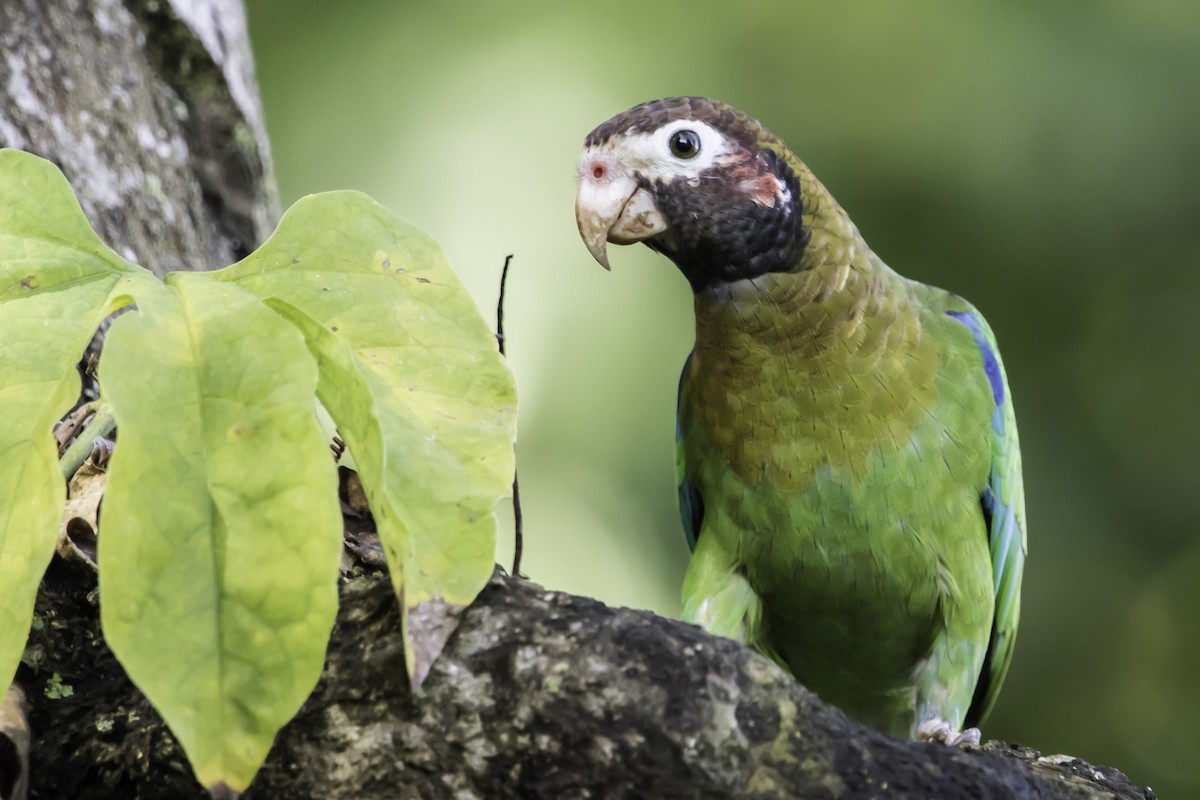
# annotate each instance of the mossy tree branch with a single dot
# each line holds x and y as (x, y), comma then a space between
(538, 694)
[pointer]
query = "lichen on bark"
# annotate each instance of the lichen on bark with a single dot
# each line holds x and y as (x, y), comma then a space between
(143, 120)
(537, 695)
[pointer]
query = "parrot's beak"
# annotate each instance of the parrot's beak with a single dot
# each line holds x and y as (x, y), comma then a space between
(610, 207)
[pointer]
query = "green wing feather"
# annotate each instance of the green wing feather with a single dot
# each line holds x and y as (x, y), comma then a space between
(1003, 504)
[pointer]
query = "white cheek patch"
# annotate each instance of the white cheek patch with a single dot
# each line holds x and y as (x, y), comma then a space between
(650, 153)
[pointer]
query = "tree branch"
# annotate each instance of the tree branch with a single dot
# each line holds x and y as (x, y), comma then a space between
(538, 694)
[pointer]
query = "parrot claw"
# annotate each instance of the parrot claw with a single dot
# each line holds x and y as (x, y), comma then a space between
(939, 730)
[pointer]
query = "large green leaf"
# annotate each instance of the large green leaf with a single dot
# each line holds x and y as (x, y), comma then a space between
(220, 532)
(411, 374)
(219, 535)
(55, 274)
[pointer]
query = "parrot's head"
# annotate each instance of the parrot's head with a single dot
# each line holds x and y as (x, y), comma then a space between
(698, 181)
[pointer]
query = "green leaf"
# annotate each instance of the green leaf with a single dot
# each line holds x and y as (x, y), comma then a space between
(220, 533)
(55, 275)
(411, 374)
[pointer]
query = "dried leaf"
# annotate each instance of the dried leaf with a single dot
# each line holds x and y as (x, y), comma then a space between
(77, 533)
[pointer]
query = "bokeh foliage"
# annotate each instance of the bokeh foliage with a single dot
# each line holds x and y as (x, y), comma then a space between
(1037, 158)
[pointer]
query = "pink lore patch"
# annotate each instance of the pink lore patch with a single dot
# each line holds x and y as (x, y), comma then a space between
(759, 183)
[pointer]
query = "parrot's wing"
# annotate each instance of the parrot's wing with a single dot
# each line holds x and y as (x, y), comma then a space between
(691, 507)
(1003, 504)
(716, 594)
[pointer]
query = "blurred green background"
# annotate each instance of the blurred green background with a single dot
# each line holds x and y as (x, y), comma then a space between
(1039, 158)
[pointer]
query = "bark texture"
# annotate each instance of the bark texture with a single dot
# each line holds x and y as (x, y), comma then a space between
(538, 695)
(151, 110)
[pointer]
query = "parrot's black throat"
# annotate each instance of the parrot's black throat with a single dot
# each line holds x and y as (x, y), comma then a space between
(718, 233)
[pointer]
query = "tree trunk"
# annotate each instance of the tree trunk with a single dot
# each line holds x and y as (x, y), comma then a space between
(151, 110)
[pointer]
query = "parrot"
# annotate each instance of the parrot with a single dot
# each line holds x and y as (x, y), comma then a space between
(846, 447)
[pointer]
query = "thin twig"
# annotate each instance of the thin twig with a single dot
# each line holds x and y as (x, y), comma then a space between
(500, 304)
(519, 543)
(101, 425)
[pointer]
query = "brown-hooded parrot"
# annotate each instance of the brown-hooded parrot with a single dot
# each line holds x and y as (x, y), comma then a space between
(849, 473)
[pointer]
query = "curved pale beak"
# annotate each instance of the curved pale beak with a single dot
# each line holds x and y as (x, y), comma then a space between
(609, 207)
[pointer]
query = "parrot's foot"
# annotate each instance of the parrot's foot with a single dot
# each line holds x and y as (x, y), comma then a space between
(939, 730)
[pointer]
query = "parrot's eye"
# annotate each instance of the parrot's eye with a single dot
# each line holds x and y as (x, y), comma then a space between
(685, 144)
